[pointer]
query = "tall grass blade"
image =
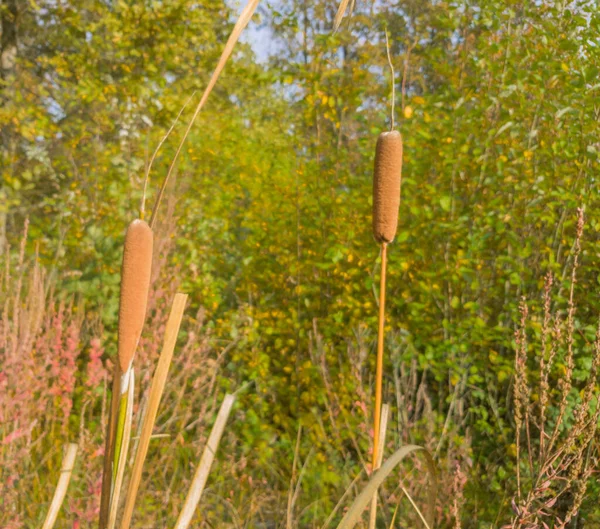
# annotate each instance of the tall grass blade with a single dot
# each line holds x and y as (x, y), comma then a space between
(156, 391)
(417, 510)
(355, 511)
(394, 516)
(290, 506)
(241, 23)
(66, 470)
(341, 500)
(340, 14)
(195, 493)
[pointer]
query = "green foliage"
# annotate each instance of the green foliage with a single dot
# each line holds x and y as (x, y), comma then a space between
(497, 104)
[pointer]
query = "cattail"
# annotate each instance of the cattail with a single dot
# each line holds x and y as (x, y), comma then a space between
(135, 282)
(386, 185)
(386, 202)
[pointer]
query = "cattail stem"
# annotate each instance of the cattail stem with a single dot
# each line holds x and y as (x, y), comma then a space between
(122, 446)
(379, 369)
(109, 450)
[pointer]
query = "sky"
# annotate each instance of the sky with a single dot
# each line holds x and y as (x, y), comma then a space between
(258, 35)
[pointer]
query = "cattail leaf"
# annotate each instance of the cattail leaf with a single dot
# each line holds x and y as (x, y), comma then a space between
(340, 14)
(156, 391)
(363, 499)
(109, 450)
(208, 455)
(66, 470)
(241, 23)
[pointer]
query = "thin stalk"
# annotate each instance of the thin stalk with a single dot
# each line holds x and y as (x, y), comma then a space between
(379, 369)
(394, 516)
(147, 176)
(416, 508)
(389, 58)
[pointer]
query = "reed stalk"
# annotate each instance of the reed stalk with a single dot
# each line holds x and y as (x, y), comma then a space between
(208, 455)
(386, 202)
(156, 391)
(66, 470)
(241, 23)
(379, 367)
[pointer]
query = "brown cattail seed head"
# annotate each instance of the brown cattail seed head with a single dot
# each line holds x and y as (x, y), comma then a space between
(386, 185)
(135, 283)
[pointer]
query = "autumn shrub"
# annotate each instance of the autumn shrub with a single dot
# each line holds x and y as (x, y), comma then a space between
(344, 429)
(556, 410)
(52, 379)
(53, 389)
